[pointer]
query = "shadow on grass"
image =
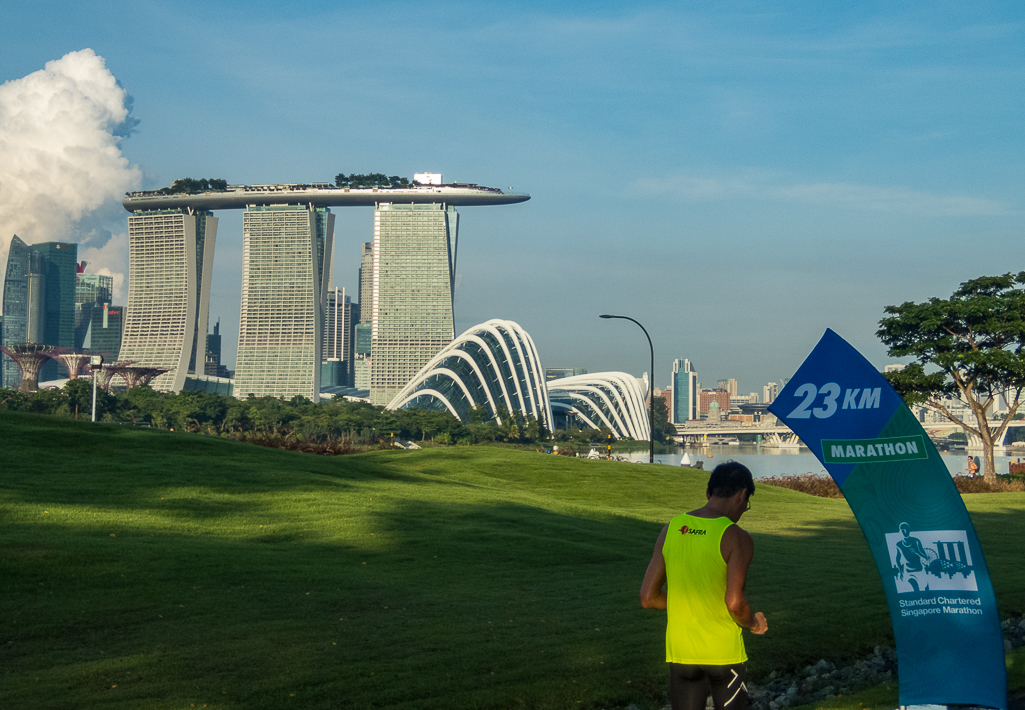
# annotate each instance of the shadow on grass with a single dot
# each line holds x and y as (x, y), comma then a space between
(487, 604)
(67, 462)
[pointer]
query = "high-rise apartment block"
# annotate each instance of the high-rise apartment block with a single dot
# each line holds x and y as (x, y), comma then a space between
(170, 257)
(39, 301)
(286, 256)
(769, 392)
(414, 268)
(684, 402)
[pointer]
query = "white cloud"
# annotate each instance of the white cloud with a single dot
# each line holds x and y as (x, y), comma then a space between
(60, 158)
(894, 199)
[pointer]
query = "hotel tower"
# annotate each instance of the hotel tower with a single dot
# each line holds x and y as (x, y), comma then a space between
(170, 257)
(286, 257)
(414, 267)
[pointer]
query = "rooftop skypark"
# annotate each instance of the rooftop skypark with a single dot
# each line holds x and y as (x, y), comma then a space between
(350, 191)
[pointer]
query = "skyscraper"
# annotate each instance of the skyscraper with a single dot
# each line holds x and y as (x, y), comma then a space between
(170, 255)
(685, 392)
(39, 301)
(15, 306)
(93, 288)
(361, 345)
(99, 329)
(366, 282)
(60, 263)
(339, 325)
(286, 257)
(414, 268)
(212, 363)
(98, 325)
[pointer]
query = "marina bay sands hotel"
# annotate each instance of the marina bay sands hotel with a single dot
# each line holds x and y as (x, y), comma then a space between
(287, 250)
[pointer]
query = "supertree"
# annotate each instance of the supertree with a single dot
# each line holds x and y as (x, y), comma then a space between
(140, 375)
(109, 370)
(73, 362)
(30, 358)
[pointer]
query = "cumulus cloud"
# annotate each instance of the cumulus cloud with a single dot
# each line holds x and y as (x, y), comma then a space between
(894, 199)
(60, 158)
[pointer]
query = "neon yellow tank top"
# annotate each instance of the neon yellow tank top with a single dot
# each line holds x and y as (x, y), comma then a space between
(699, 629)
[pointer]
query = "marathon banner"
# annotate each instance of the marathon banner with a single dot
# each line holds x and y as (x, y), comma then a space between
(950, 647)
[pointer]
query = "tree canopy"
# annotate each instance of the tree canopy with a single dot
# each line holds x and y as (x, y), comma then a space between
(968, 348)
(190, 186)
(357, 180)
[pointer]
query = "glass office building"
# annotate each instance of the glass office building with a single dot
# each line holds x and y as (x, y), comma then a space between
(414, 258)
(286, 257)
(684, 404)
(39, 301)
(93, 288)
(170, 256)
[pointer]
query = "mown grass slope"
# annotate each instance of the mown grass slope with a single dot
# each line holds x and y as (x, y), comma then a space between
(148, 569)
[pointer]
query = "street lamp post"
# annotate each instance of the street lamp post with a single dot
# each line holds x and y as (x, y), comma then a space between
(651, 389)
(95, 363)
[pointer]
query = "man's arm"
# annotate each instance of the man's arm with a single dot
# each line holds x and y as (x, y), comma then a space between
(652, 594)
(738, 549)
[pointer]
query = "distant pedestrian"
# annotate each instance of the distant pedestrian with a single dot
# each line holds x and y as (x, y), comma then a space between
(973, 467)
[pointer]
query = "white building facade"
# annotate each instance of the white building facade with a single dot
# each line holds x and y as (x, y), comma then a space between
(286, 257)
(170, 256)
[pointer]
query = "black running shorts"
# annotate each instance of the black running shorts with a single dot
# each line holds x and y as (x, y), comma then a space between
(690, 685)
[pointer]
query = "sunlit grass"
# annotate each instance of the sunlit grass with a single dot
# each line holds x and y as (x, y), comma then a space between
(191, 570)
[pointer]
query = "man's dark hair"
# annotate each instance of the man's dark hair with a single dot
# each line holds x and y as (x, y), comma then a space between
(729, 477)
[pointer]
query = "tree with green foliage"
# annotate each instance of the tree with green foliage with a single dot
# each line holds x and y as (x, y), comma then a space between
(968, 348)
(357, 180)
(663, 428)
(190, 186)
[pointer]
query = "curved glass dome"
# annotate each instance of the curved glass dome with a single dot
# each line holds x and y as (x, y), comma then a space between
(611, 399)
(493, 365)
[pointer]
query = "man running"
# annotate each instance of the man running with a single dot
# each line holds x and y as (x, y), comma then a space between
(702, 558)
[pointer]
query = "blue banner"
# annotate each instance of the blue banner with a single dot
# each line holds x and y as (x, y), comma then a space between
(949, 643)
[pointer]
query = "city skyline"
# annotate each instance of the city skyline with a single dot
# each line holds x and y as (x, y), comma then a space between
(736, 177)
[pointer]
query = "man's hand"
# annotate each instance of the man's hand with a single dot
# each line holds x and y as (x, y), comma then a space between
(761, 625)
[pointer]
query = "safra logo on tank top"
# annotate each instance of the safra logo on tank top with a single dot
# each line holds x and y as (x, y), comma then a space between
(691, 531)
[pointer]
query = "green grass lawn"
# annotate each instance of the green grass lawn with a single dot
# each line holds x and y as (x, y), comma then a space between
(148, 569)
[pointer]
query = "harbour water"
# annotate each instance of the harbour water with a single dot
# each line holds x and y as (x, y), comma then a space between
(764, 461)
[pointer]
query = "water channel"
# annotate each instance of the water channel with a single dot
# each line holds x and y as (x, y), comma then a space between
(765, 461)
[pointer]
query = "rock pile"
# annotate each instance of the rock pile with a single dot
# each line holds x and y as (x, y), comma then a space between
(823, 680)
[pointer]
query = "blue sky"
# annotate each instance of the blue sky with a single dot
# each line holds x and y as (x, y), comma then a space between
(736, 176)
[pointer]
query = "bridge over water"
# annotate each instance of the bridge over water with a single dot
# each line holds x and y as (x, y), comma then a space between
(779, 434)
